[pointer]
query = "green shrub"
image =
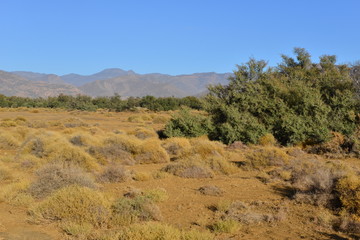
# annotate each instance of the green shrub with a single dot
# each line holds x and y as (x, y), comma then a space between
(186, 124)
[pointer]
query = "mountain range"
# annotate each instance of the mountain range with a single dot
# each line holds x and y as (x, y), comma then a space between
(107, 83)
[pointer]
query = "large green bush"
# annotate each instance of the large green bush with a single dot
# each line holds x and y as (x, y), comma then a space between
(299, 102)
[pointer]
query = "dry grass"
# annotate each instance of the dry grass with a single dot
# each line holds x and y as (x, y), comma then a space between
(75, 204)
(52, 177)
(114, 173)
(262, 157)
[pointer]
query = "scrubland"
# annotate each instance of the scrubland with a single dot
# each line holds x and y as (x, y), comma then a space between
(105, 175)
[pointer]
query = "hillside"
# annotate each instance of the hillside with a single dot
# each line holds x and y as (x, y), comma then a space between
(111, 81)
(159, 85)
(14, 85)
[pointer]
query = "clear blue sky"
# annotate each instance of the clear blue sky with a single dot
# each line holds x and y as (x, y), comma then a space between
(173, 37)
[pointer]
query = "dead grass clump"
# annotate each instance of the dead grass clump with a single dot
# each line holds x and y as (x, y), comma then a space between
(150, 151)
(348, 224)
(143, 133)
(141, 176)
(349, 192)
(5, 174)
(188, 169)
(176, 146)
(84, 139)
(15, 194)
(160, 119)
(267, 140)
(37, 124)
(130, 210)
(8, 141)
(111, 153)
(114, 173)
(314, 182)
(226, 226)
(205, 148)
(75, 204)
(52, 177)
(211, 190)
(156, 231)
(333, 146)
(8, 123)
(266, 157)
(74, 122)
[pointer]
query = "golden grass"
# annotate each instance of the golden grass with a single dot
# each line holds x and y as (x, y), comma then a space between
(76, 204)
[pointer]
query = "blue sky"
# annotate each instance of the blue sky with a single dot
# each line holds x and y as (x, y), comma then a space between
(173, 37)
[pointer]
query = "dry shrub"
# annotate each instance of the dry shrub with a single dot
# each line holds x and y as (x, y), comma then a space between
(37, 124)
(55, 148)
(156, 194)
(8, 123)
(348, 224)
(141, 176)
(71, 155)
(211, 190)
(111, 153)
(204, 147)
(143, 133)
(84, 139)
(314, 182)
(15, 194)
(161, 119)
(147, 151)
(156, 231)
(77, 230)
(150, 151)
(5, 173)
(266, 157)
(8, 141)
(52, 177)
(176, 146)
(188, 169)
(74, 204)
(267, 140)
(139, 118)
(126, 211)
(74, 122)
(226, 226)
(333, 146)
(114, 173)
(349, 190)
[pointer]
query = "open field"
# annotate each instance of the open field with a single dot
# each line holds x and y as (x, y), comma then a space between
(105, 175)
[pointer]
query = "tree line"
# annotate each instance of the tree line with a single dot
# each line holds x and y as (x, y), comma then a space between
(113, 103)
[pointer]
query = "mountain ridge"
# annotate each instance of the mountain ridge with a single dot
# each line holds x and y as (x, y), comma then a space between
(108, 82)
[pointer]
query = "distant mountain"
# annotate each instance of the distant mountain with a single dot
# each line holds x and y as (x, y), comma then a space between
(15, 85)
(78, 80)
(159, 85)
(49, 78)
(107, 83)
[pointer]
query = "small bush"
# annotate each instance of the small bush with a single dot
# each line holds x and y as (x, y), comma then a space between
(15, 194)
(80, 231)
(189, 170)
(267, 140)
(8, 141)
(226, 226)
(115, 173)
(186, 124)
(211, 190)
(157, 194)
(5, 174)
(349, 191)
(129, 210)
(141, 176)
(52, 177)
(143, 133)
(76, 204)
(111, 153)
(176, 146)
(156, 231)
(266, 157)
